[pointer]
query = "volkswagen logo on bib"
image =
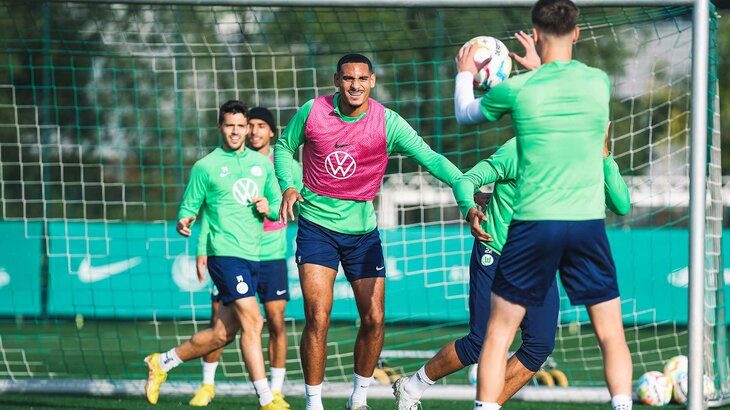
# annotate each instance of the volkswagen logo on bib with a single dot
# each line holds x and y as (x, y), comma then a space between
(340, 165)
(243, 190)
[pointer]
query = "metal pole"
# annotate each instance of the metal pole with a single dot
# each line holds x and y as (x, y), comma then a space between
(697, 203)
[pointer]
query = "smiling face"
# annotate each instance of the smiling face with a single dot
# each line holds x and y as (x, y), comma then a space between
(234, 129)
(259, 135)
(354, 82)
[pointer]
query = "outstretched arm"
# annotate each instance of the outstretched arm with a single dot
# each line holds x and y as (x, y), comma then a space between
(467, 109)
(618, 199)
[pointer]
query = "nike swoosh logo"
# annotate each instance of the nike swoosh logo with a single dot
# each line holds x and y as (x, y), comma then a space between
(341, 145)
(379, 268)
(280, 292)
(223, 175)
(90, 274)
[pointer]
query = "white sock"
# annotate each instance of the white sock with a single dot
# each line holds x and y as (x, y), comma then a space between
(314, 397)
(360, 390)
(263, 391)
(209, 371)
(483, 405)
(169, 360)
(417, 384)
(277, 378)
(621, 402)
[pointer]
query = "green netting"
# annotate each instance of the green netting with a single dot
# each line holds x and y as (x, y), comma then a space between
(104, 108)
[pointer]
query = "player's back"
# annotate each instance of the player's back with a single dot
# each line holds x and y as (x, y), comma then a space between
(560, 117)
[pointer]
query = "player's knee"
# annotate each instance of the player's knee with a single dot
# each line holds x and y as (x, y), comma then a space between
(468, 348)
(373, 319)
(534, 354)
(318, 324)
(221, 337)
(276, 326)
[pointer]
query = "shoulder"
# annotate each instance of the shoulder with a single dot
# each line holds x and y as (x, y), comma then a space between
(208, 161)
(593, 73)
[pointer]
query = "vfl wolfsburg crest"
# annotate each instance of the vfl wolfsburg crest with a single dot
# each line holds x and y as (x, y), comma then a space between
(487, 259)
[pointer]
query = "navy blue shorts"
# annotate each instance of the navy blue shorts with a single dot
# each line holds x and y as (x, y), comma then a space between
(538, 326)
(235, 278)
(361, 255)
(272, 282)
(535, 250)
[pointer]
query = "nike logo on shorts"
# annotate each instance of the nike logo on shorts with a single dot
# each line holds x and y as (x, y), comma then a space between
(379, 268)
(280, 292)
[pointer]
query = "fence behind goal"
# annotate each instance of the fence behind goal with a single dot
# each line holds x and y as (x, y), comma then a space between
(105, 107)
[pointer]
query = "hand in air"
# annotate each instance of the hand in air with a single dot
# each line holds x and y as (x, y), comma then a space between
(465, 60)
(531, 60)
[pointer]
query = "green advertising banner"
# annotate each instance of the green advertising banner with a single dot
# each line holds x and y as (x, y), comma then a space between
(20, 268)
(146, 270)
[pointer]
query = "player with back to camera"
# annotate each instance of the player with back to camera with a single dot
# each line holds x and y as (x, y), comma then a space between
(559, 112)
(239, 190)
(272, 283)
(347, 139)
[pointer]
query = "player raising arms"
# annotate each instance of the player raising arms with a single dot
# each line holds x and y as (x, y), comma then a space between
(490, 230)
(239, 189)
(559, 111)
(347, 139)
(272, 282)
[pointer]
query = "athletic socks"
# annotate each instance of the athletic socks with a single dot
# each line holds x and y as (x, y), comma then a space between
(209, 372)
(360, 390)
(277, 378)
(169, 360)
(417, 384)
(314, 397)
(621, 402)
(263, 392)
(483, 405)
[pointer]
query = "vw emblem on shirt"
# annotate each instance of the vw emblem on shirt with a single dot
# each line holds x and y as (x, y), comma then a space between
(340, 164)
(243, 190)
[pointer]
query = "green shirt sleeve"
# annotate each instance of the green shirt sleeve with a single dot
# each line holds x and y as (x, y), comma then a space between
(203, 235)
(500, 166)
(272, 192)
(195, 192)
(500, 100)
(617, 193)
(290, 140)
(297, 172)
(403, 139)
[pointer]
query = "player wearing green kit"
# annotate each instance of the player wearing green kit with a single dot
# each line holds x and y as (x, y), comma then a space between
(490, 232)
(346, 139)
(272, 282)
(559, 112)
(238, 188)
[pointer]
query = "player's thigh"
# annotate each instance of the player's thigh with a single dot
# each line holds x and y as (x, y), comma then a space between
(362, 256)
(235, 278)
(587, 270)
(529, 260)
(316, 282)
(606, 317)
(316, 245)
(272, 281)
(482, 267)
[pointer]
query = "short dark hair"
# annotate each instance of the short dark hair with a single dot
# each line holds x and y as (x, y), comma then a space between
(555, 16)
(232, 107)
(354, 58)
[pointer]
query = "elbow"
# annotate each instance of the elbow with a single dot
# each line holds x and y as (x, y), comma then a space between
(463, 119)
(623, 210)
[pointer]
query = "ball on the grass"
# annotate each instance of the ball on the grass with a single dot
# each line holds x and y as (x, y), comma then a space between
(499, 66)
(654, 389)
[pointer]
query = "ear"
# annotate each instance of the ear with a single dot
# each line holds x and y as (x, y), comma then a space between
(535, 35)
(372, 81)
(576, 34)
(338, 83)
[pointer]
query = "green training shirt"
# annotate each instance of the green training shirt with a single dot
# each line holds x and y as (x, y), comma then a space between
(225, 182)
(273, 243)
(559, 114)
(501, 168)
(348, 216)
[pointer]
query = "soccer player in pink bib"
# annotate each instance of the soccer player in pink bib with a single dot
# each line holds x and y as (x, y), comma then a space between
(347, 138)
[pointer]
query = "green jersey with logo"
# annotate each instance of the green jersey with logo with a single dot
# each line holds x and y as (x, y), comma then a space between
(225, 182)
(349, 216)
(559, 114)
(501, 168)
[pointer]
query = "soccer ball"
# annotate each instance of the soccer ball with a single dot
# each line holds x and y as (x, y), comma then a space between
(498, 68)
(654, 389)
(674, 365)
(680, 383)
(472, 374)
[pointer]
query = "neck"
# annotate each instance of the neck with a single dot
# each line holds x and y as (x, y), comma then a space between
(350, 111)
(556, 49)
(226, 148)
(265, 150)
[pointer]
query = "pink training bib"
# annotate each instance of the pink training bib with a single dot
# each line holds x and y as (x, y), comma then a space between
(344, 160)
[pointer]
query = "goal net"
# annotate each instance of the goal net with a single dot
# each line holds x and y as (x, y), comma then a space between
(105, 107)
